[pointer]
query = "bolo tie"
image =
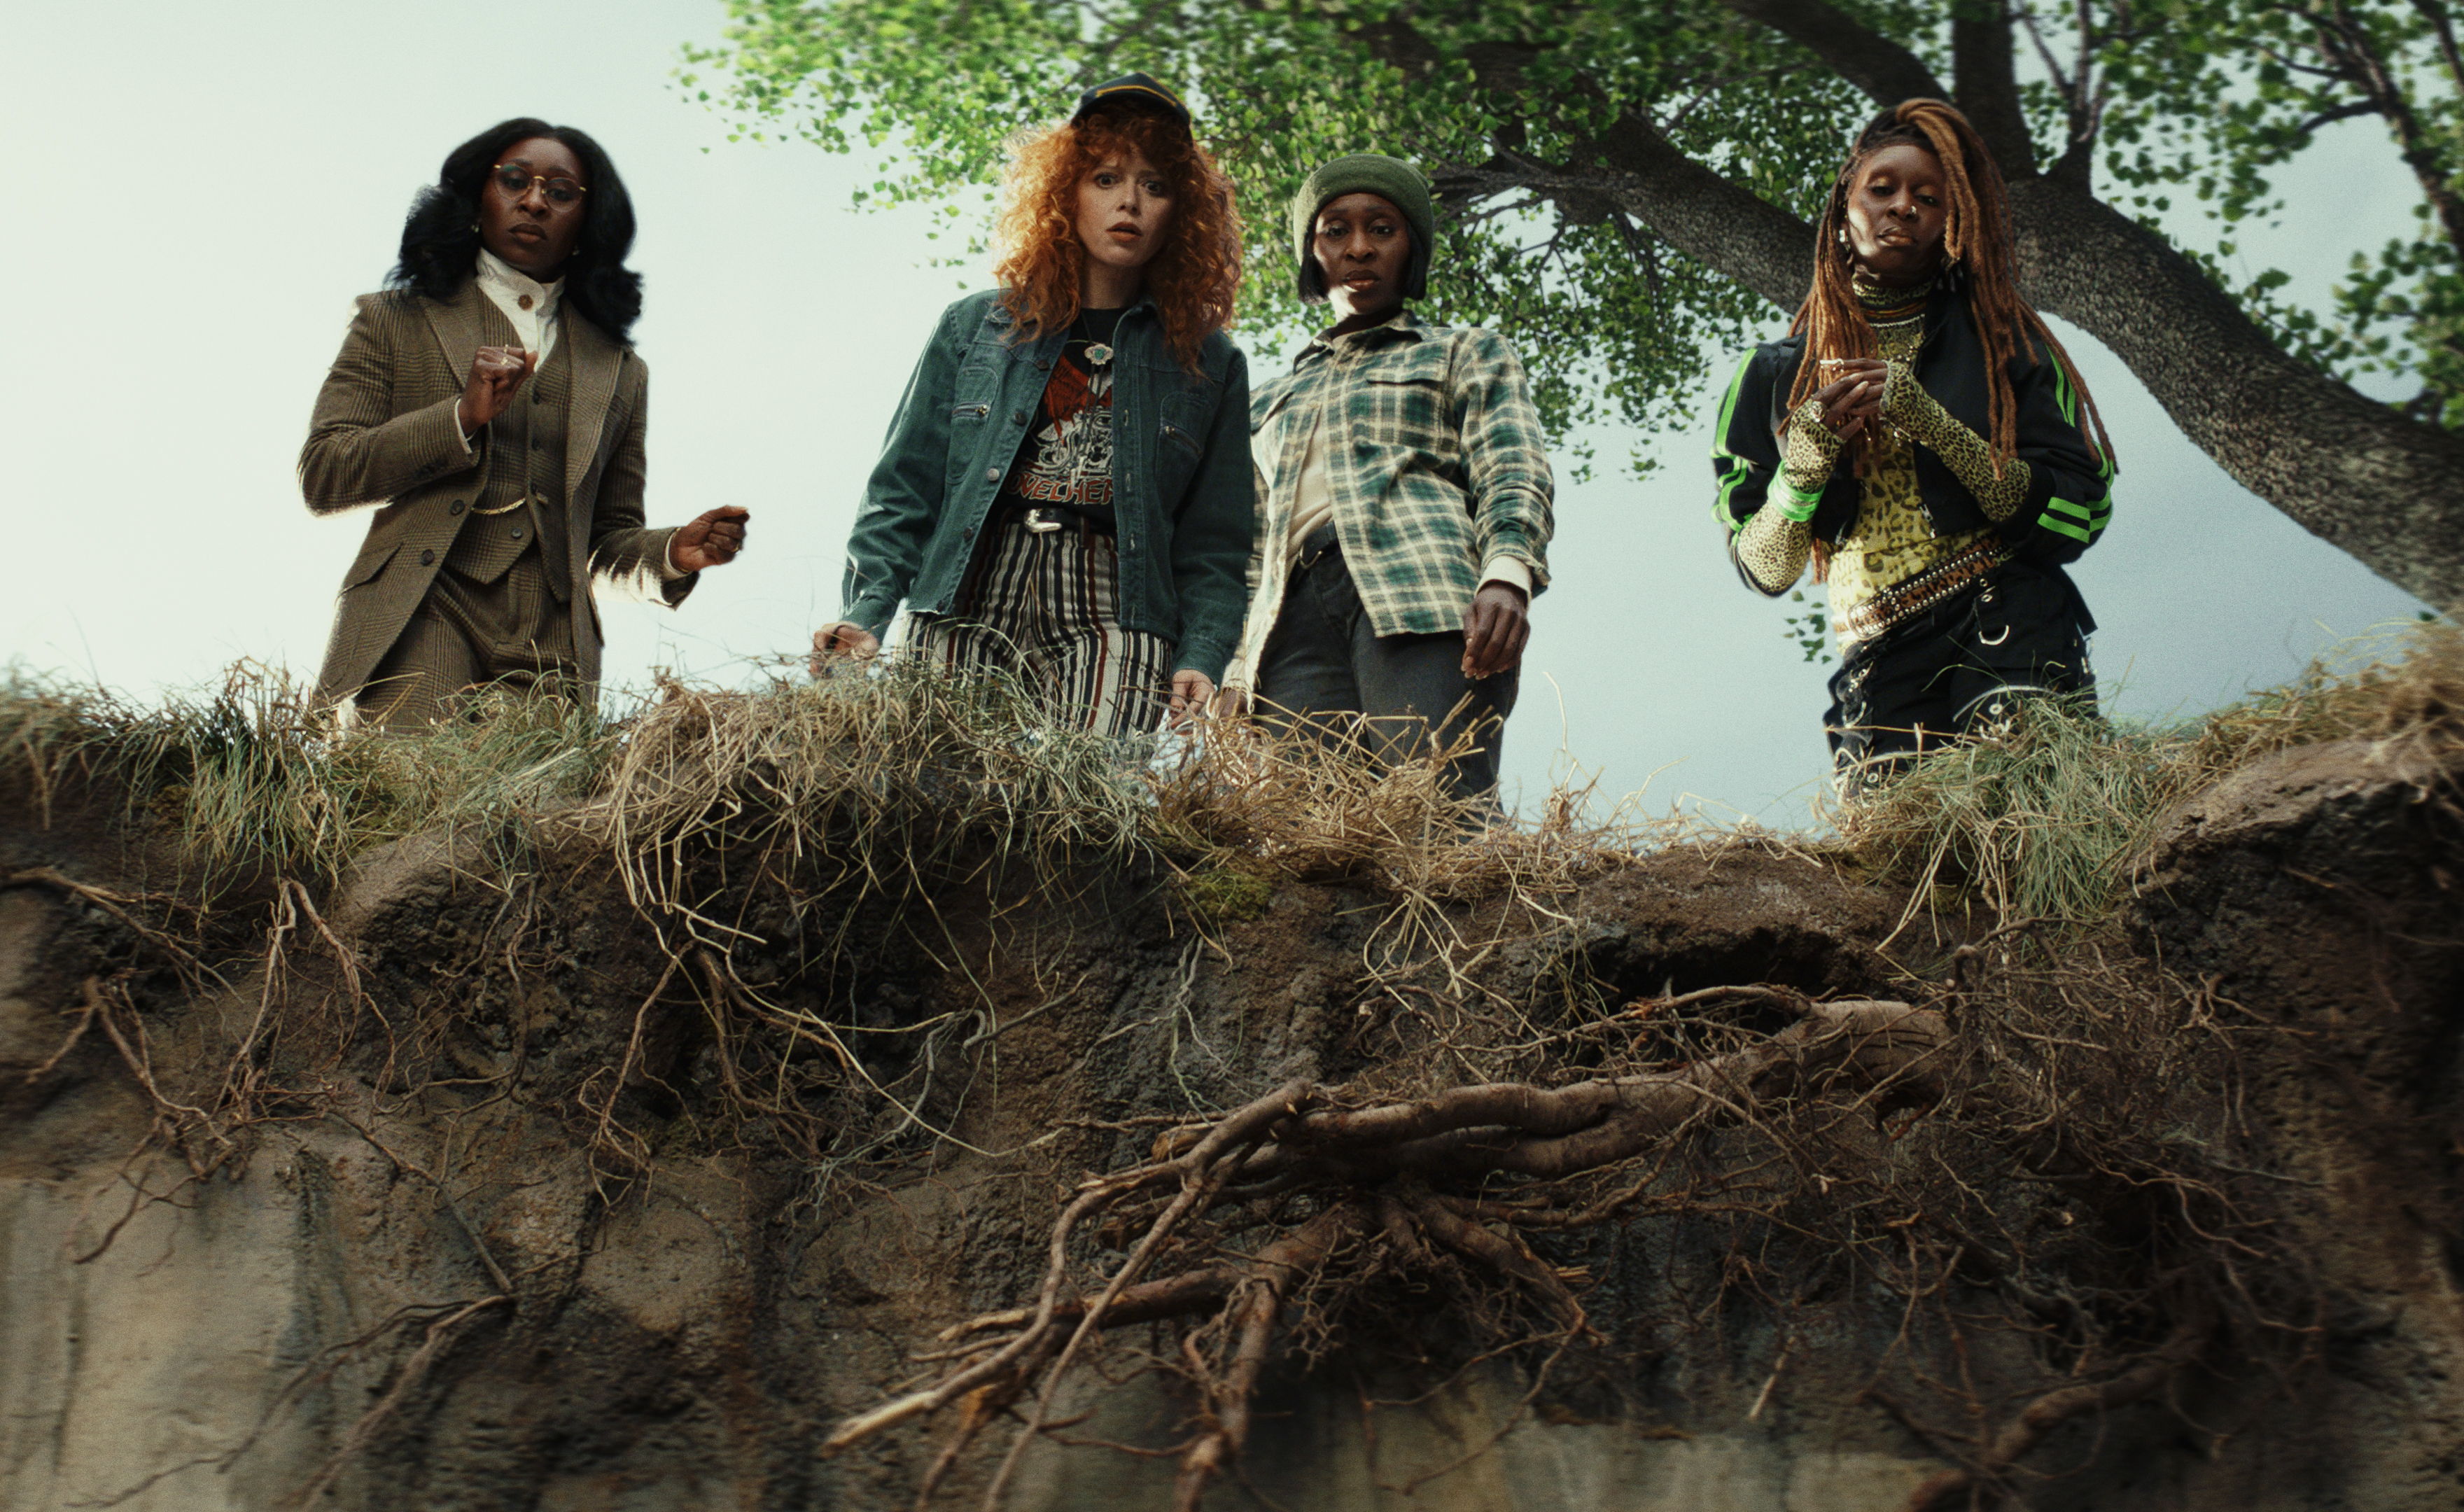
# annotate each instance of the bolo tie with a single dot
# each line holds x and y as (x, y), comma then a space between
(1099, 354)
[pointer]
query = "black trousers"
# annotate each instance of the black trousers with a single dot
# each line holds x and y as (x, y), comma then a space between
(1957, 666)
(1325, 661)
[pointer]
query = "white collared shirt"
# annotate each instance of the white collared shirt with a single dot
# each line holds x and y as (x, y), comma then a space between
(529, 304)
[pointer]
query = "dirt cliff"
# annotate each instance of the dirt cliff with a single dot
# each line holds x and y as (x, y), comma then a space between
(514, 1170)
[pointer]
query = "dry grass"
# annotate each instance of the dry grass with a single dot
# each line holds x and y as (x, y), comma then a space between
(2052, 817)
(256, 779)
(885, 781)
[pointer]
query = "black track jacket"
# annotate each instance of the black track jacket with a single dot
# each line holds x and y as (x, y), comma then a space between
(2069, 498)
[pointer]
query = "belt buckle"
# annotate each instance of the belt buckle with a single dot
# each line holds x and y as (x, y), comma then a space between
(1043, 520)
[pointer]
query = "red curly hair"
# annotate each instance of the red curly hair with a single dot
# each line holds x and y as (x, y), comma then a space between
(1192, 278)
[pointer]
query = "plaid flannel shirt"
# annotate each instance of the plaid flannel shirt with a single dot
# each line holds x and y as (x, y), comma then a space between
(1437, 464)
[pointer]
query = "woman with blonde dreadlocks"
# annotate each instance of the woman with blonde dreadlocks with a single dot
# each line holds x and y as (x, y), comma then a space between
(1924, 441)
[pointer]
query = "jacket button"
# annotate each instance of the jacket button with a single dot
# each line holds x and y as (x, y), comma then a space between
(455, 508)
(991, 475)
(427, 558)
(518, 533)
(969, 534)
(1042, 362)
(1018, 417)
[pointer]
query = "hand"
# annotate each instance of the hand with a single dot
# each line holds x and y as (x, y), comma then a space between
(1496, 630)
(841, 640)
(711, 538)
(1855, 398)
(495, 372)
(1192, 693)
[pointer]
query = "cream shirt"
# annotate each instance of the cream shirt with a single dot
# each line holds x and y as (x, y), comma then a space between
(531, 305)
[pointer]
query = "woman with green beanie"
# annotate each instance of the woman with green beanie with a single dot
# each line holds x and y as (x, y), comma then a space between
(1405, 492)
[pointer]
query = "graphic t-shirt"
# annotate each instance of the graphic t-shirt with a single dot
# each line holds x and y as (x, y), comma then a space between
(1067, 459)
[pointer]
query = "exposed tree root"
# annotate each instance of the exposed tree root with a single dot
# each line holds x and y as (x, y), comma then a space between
(1373, 1180)
(1978, 1486)
(440, 1333)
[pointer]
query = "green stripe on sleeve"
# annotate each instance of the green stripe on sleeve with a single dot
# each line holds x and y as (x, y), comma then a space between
(1729, 407)
(1734, 470)
(1732, 474)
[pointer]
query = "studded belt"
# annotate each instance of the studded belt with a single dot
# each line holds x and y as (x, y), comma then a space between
(1904, 600)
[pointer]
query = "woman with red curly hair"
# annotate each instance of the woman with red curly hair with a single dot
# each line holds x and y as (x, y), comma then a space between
(1066, 493)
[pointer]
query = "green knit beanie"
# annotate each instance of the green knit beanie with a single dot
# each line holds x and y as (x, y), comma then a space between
(1391, 180)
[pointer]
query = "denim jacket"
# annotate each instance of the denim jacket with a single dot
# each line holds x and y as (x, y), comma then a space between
(1181, 479)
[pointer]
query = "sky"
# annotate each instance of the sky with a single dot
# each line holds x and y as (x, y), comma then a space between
(198, 191)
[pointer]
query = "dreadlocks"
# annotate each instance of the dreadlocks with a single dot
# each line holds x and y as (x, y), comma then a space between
(1976, 234)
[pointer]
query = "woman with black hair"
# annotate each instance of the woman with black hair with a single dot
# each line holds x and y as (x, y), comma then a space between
(488, 402)
(1937, 457)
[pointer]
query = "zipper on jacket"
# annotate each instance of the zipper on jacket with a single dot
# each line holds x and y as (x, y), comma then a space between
(1183, 437)
(979, 411)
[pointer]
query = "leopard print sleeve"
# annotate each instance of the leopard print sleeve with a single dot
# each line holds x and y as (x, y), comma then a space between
(1907, 405)
(1770, 550)
(1811, 451)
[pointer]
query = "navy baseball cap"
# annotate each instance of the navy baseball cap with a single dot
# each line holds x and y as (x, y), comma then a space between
(1136, 90)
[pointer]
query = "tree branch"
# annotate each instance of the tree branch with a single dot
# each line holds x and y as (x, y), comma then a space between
(2443, 26)
(1701, 214)
(1874, 64)
(2345, 41)
(2348, 469)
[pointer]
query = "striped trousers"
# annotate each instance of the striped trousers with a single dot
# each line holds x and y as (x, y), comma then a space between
(1044, 605)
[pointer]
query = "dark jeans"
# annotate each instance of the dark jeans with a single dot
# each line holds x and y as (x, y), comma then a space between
(1954, 668)
(1325, 659)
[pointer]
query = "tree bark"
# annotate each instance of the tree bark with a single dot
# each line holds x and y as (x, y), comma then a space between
(2348, 469)
(1731, 230)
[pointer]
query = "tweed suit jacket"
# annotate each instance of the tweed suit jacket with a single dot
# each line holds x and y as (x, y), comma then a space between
(384, 434)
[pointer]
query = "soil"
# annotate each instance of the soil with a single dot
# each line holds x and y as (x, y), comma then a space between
(503, 1235)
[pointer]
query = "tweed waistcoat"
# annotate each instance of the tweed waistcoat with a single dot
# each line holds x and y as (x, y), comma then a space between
(521, 506)
(385, 438)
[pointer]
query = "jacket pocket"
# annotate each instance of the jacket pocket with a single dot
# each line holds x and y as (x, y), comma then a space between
(1187, 441)
(370, 561)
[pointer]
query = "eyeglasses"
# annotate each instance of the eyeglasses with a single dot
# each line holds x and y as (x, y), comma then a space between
(516, 181)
